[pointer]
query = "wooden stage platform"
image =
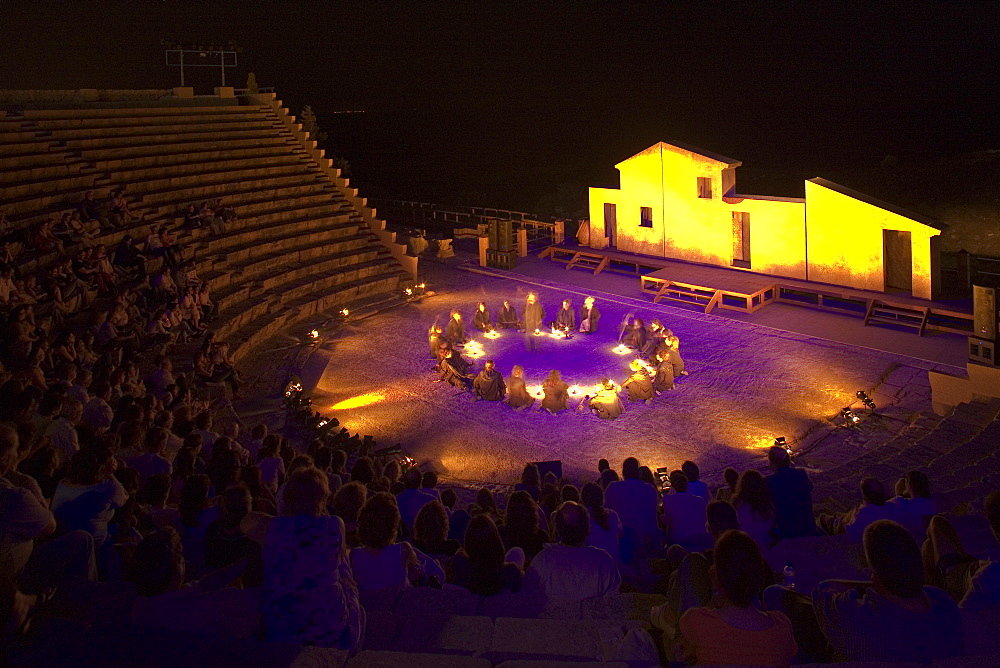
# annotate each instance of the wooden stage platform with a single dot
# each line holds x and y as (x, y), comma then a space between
(706, 287)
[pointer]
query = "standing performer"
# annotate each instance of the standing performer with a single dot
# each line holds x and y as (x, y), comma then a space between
(489, 384)
(483, 321)
(589, 316)
(639, 385)
(556, 393)
(534, 314)
(518, 397)
(434, 339)
(565, 318)
(533, 317)
(507, 317)
(454, 333)
(606, 403)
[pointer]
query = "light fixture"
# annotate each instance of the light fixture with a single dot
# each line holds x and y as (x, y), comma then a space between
(314, 335)
(344, 312)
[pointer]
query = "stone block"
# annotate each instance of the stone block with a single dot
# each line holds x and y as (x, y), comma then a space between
(515, 638)
(384, 659)
(451, 634)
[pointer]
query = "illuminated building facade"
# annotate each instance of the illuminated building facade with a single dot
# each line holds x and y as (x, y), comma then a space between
(680, 202)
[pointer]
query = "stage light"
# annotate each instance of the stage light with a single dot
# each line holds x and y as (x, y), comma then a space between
(492, 334)
(322, 423)
(780, 442)
(293, 387)
(621, 349)
(314, 335)
(422, 286)
(408, 292)
(344, 312)
(538, 332)
(862, 395)
(850, 416)
(358, 401)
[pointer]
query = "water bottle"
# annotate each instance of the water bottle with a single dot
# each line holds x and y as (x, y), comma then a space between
(789, 574)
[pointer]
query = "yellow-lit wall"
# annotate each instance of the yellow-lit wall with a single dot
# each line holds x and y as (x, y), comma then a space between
(688, 227)
(845, 242)
(839, 237)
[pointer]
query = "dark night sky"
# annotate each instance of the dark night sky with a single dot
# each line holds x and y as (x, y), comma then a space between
(509, 99)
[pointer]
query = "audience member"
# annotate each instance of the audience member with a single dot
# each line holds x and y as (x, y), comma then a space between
(635, 502)
(695, 486)
(606, 529)
(791, 492)
(683, 515)
(383, 563)
(569, 569)
(754, 508)
(872, 508)
(412, 499)
(482, 566)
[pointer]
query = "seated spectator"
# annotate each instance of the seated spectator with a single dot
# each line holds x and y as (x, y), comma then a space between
(430, 531)
(383, 563)
(754, 508)
(458, 518)
(62, 432)
(873, 507)
(894, 617)
(913, 495)
(25, 519)
(203, 606)
(88, 208)
(272, 466)
(225, 541)
(153, 495)
(974, 583)
(635, 502)
(152, 461)
(569, 569)
(531, 481)
(192, 217)
(347, 504)
(791, 492)
(256, 441)
(695, 486)
(89, 495)
(482, 566)
(263, 498)
(197, 512)
(412, 499)
(606, 527)
(521, 528)
(735, 631)
(683, 515)
(486, 504)
(203, 427)
(428, 484)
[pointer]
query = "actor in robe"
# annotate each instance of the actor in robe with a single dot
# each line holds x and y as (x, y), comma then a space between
(489, 384)
(639, 385)
(565, 318)
(517, 396)
(434, 339)
(636, 336)
(655, 341)
(674, 355)
(454, 333)
(556, 393)
(606, 403)
(483, 320)
(664, 379)
(533, 316)
(455, 371)
(507, 317)
(589, 316)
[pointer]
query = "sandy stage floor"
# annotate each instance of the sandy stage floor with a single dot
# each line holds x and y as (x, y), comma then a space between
(747, 384)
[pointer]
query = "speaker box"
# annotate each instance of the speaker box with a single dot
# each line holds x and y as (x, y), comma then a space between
(501, 235)
(501, 259)
(984, 310)
(544, 467)
(982, 352)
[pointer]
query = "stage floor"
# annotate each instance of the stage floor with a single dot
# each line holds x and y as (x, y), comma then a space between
(747, 385)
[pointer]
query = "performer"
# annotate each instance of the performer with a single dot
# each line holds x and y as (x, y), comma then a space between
(455, 371)
(589, 316)
(507, 317)
(483, 320)
(434, 339)
(533, 317)
(489, 384)
(518, 397)
(664, 379)
(636, 337)
(606, 403)
(674, 355)
(454, 333)
(565, 318)
(657, 337)
(556, 393)
(639, 385)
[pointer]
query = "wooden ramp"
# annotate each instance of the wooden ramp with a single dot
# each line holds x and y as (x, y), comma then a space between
(597, 262)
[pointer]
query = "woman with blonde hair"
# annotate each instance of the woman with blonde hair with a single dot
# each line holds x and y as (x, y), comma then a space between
(556, 393)
(517, 393)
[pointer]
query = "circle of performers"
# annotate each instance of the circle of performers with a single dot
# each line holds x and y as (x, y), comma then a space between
(655, 369)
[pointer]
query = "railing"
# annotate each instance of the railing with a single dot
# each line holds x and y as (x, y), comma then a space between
(260, 89)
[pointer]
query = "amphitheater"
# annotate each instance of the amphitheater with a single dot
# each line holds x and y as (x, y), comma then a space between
(306, 247)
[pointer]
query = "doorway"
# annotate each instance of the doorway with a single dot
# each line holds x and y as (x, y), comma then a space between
(611, 223)
(897, 261)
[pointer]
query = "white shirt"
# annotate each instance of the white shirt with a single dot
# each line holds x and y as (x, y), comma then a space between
(572, 573)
